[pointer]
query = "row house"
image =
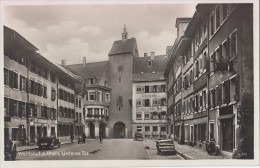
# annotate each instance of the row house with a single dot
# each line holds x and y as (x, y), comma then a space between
(149, 100)
(216, 52)
(69, 102)
(95, 96)
(31, 91)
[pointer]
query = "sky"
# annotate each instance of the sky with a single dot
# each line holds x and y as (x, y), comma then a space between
(71, 32)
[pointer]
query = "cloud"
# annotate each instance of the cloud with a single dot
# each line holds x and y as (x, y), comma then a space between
(73, 52)
(154, 43)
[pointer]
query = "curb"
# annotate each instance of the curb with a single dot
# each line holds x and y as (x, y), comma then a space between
(186, 157)
(36, 147)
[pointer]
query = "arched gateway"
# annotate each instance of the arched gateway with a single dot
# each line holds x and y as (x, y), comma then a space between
(119, 130)
(91, 130)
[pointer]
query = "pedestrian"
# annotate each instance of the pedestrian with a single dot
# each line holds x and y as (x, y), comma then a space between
(100, 135)
(84, 137)
(71, 137)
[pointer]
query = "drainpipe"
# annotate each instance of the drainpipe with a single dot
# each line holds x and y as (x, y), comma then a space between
(28, 111)
(208, 76)
(57, 112)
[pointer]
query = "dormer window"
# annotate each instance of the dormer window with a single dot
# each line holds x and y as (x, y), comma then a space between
(149, 63)
(91, 80)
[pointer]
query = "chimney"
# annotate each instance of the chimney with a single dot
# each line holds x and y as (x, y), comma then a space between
(145, 54)
(84, 62)
(152, 55)
(63, 62)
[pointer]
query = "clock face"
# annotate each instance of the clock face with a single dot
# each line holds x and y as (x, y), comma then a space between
(120, 68)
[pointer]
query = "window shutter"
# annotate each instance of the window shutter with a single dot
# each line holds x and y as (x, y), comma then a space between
(150, 89)
(143, 102)
(48, 112)
(142, 89)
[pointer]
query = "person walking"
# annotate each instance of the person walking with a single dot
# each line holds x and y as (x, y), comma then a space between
(100, 135)
(71, 137)
(84, 137)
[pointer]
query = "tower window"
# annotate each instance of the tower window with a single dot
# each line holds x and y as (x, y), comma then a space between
(119, 79)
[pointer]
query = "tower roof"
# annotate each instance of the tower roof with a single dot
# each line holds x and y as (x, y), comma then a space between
(123, 46)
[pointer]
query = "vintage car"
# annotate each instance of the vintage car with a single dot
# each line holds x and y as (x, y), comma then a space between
(48, 142)
(80, 139)
(138, 135)
(10, 150)
(165, 146)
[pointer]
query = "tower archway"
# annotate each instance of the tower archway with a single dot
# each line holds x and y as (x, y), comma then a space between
(119, 130)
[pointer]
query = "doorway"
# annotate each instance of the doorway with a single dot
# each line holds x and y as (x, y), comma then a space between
(119, 130)
(32, 133)
(92, 130)
(227, 134)
(102, 129)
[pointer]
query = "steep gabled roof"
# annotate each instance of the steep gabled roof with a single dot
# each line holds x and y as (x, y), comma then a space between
(95, 69)
(142, 72)
(123, 46)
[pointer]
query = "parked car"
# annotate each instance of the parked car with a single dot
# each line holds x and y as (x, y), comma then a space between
(80, 139)
(138, 135)
(48, 142)
(9, 150)
(165, 146)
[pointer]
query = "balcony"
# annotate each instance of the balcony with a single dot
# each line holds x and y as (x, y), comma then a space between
(152, 109)
(98, 117)
(96, 102)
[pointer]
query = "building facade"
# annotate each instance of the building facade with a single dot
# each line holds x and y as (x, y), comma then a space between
(215, 53)
(149, 100)
(32, 93)
(95, 96)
